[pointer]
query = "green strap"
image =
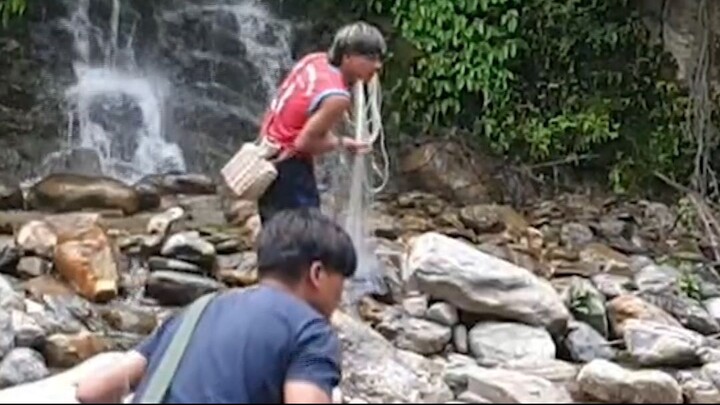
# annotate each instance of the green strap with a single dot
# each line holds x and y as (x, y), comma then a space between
(163, 375)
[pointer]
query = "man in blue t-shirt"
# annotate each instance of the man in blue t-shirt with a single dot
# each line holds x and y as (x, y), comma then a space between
(272, 343)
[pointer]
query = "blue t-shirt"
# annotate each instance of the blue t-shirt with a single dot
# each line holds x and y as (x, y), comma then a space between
(245, 346)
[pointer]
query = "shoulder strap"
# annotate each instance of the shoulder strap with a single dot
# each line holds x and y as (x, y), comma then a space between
(163, 375)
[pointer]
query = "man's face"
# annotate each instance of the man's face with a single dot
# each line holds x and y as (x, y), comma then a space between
(326, 288)
(363, 67)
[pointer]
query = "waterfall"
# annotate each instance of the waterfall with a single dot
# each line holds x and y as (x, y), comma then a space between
(173, 86)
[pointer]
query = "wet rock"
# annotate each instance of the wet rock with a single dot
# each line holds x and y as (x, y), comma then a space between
(611, 383)
(655, 344)
(87, 261)
(584, 344)
(473, 281)
(493, 343)
(375, 371)
(385, 226)
(416, 306)
(63, 192)
(626, 307)
(443, 313)
(423, 337)
(689, 312)
(575, 235)
(612, 285)
(157, 263)
(190, 247)
(506, 386)
(22, 366)
(11, 196)
(30, 267)
(179, 183)
(177, 289)
(7, 332)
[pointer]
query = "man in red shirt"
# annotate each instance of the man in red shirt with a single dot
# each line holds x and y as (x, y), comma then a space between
(312, 99)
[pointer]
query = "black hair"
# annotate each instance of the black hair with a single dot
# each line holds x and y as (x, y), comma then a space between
(292, 239)
(359, 38)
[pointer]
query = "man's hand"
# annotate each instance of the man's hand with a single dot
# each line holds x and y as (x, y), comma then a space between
(302, 392)
(111, 384)
(355, 146)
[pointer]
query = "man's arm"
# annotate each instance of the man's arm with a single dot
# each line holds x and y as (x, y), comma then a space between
(314, 137)
(112, 384)
(315, 368)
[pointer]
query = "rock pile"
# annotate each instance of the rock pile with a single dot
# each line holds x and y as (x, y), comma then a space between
(573, 300)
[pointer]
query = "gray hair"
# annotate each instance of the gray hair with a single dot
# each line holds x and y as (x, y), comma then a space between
(358, 38)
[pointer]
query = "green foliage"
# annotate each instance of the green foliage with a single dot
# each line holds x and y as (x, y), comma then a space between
(11, 8)
(542, 80)
(690, 286)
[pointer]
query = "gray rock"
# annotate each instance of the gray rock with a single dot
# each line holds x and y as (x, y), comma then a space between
(553, 370)
(713, 307)
(176, 289)
(460, 339)
(22, 366)
(9, 298)
(7, 332)
(611, 383)
(575, 235)
(157, 263)
(587, 304)
(32, 266)
(10, 255)
(611, 227)
(125, 318)
(612, 285)
(375, 371)
(469, 397)
(689, 312)
(698, 389)
(28, 332)
(190, 247)
(585, 344)
(456, 272)
(656, 344)
(506, 386)
(423, 337)
(416, 305)
(493, 343)
(712, 372)
(656, 278)
(443, 313)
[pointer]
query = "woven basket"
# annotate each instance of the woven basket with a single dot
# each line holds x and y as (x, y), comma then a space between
(249, 173)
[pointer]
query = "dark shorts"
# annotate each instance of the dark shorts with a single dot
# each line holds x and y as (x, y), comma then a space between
(294, 187)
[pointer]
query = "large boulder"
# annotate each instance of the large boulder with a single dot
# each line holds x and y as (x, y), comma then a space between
(375, 371)
(611, 383)
(656, 344)
(62, 192)
(494, 343)
(442, 167)
(476, 282)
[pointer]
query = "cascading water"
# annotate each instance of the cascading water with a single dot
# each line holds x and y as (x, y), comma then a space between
(168, 86)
